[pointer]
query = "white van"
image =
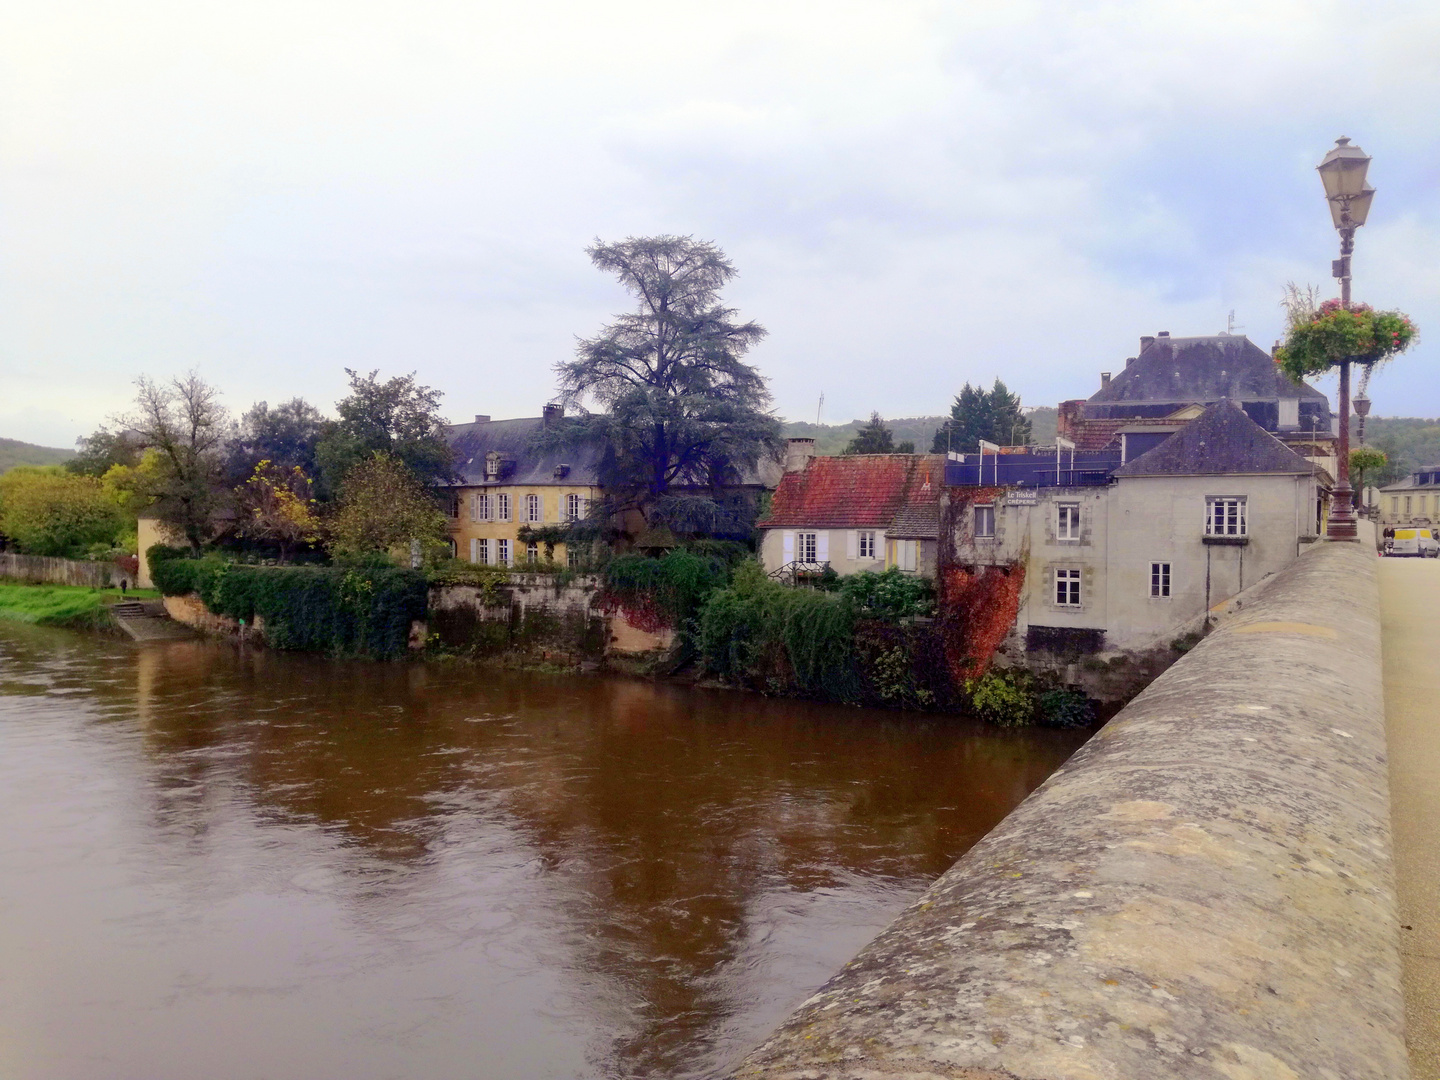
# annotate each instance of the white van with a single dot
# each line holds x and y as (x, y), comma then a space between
(1414, 542)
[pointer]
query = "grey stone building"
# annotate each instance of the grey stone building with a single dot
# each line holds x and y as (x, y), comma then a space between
(1117, 557)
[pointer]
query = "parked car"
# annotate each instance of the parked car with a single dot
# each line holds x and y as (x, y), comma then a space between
(1419, 543)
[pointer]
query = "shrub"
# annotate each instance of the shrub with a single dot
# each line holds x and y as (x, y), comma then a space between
(1003, 699)
(337, 610)
(1065, 709)
(780, 639)
(891, 595)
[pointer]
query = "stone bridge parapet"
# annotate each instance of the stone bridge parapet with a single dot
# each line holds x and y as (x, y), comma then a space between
(1205, 890)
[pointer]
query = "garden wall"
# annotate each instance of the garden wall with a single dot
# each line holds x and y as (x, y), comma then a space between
(43, 570)
(541, 616)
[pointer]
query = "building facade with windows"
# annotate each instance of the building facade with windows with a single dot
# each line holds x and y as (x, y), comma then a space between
(854, 513)
(509, 480)
(1413, 501)
(1139, 549)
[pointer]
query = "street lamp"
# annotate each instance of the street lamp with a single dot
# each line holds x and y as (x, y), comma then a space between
(1343, 174)
(1362, 410)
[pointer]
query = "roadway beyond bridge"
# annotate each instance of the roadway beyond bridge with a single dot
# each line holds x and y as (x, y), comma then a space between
(1410, 616)
(1207, 889)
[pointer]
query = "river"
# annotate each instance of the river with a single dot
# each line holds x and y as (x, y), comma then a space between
(237, 864)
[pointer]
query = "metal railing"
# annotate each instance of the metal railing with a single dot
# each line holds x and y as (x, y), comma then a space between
(794, 571)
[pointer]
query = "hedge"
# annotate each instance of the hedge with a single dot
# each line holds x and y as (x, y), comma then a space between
(344, 612)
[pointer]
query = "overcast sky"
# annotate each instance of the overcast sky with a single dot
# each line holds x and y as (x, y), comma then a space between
(915, 194)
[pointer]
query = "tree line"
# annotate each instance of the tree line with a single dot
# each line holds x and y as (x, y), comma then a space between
(685, 422)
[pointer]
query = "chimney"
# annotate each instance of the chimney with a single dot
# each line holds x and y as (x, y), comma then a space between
(1104, 379)
(1146, 342)
(798, 453)
(1164, 333)
(552, 414)
(482, 418)
(1129, 360)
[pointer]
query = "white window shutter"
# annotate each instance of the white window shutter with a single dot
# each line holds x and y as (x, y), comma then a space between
(822, 546)
(474, 546)
(852, 544)
(788, 547)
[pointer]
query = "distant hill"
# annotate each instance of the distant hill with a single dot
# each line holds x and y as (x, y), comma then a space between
(1409, 443)
(831, 439)
(14, 452)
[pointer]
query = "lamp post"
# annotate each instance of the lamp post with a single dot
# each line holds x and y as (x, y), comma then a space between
(1343, 174)
(1362, 410)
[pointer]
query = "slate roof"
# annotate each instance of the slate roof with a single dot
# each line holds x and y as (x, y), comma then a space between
(1221, 441)
(1414, 481)
(862, 491)
(512, 438)
(1199, 369)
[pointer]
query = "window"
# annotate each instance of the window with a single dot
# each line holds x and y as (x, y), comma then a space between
(532, 552)
(1395, 504)
(572, 556)
(865, 546)
(480, 551)
(452, 505)
(1159, 580)
(1407, 506)
(534, 508)
(502, 507)
(805, 547)
(485, 508)
(1067, 521)
(1067, 588)
(574, 507)
(502, 552)
(1225, 515)
(985, 521)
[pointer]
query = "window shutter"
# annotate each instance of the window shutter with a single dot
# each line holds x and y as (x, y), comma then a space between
(852, 544)
(788, 546)
(822, 546)
(474, 549)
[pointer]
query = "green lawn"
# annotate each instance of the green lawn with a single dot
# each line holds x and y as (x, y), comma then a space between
(61, 605)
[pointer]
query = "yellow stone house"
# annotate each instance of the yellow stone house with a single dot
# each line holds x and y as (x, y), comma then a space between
(505, 484)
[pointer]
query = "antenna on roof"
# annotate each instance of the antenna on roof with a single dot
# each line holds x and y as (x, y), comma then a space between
(1231, 325)
(819, 407)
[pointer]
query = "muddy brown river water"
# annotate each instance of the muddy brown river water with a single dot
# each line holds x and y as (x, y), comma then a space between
(218, 864)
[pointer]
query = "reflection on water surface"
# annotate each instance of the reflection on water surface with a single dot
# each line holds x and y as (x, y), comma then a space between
(224, 864)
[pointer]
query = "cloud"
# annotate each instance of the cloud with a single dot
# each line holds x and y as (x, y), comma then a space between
(916, 194)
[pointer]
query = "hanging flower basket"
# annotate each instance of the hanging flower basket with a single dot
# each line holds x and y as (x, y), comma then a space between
(1321, 338)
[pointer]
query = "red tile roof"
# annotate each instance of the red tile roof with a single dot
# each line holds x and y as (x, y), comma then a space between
(863, 491)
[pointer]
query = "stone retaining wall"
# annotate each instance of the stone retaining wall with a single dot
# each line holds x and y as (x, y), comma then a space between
(1204, 890)
(536, 613)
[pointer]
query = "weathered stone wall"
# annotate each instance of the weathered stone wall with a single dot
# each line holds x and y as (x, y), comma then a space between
(1204, 890)
(535, 614)
(43, 570)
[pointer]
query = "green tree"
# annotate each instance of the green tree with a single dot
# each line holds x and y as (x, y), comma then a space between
(103, 450)
(383, 505)
(184, 424)
(873, 438)
(681, 411)
(1365, 459)
(49, 511)
(994, 416)
(277, 506)
(286, 436)
(398, 418)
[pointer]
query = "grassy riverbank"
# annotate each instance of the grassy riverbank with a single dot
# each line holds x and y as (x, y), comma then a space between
(62, 605)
